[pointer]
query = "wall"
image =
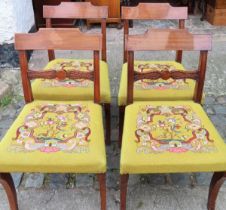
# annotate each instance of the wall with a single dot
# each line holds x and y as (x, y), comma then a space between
(15, 16)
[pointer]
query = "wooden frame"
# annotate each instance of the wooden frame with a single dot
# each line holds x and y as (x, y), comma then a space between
(149, 11)
(114, 10)
(153, 11)
(77, 10)
(38, 13)
(164, 40)
(56, 39)
(82, 10)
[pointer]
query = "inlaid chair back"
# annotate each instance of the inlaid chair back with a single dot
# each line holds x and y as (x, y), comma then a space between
(58, 39)
(166, 40)
(77, 10)
(153, 11)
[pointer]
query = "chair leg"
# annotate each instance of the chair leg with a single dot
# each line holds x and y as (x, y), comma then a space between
(7, 183)
(121, 122)
(107, 110)
(102, 183)
(216, 182)
(123, 190)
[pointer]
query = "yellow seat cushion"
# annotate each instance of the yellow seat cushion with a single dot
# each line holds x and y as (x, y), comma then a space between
(67, 89)
(170, 137)
(56, 137)
(156, 90)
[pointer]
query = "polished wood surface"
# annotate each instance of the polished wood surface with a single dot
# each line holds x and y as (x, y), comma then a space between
(60, 75)
(216, 16)
(103, 196)
(153, 11)
(168, 39)
(38, 12)
(158, 11)
(78, 10)
(218, 4)
(61, 39)
(175, 74)
(58, 39)
(75, 10)
(7, 182)
(217, 181)
(165, 40)
(114, 9)
(123, 190)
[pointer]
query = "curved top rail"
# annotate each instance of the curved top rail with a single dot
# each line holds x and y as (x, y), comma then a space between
(73, 10)
(154, 11)
(58, 39)
(169, 39)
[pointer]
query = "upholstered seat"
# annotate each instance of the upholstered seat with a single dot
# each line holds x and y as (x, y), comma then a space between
(44, 89)
(170, 136)
(154, 90)
(53, 136)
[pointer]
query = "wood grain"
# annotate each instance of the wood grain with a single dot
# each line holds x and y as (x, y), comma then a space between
(157, 11)
(154, 11)
(168, 39)
(58, 39)
(7, 182)
(65, 39)
(165, 75)
(60, 75)
(75, 10)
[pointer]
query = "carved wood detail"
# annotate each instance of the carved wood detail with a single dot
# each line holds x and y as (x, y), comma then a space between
(165, 75)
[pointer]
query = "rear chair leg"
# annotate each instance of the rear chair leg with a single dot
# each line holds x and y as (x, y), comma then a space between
(121, 122)
(123, 190)
(7, 183)
(216, 182)
(107, 110)
(102, 183)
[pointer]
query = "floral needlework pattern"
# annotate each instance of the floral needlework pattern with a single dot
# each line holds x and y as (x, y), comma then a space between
(69, 65)
(158, 84)
(52, 128)
(175, 129)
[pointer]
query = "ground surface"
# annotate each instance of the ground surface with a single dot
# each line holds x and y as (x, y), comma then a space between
(171, 191)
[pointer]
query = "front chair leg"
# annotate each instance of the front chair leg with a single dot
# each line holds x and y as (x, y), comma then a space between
(102, 183)
(7, 183)
(216, 182)
(107, 110)
(123, 190)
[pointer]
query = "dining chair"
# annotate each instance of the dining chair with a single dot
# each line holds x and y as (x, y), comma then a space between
(51, 136)
(170, 136)
(76, 89)
(150, 89)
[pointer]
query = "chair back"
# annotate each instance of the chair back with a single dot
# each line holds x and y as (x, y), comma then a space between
(167, 40)
(77, 10)
(154, 11)
(58, 39)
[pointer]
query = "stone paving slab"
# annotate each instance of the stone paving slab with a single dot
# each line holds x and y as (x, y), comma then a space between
(4, 89)
(140, 197)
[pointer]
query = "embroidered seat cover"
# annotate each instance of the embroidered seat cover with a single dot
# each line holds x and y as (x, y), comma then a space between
(168, 137)
(156, 89)
(53, 136)
(44, 89)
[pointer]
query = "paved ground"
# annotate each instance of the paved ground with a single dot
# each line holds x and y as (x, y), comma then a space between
(174, 191)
